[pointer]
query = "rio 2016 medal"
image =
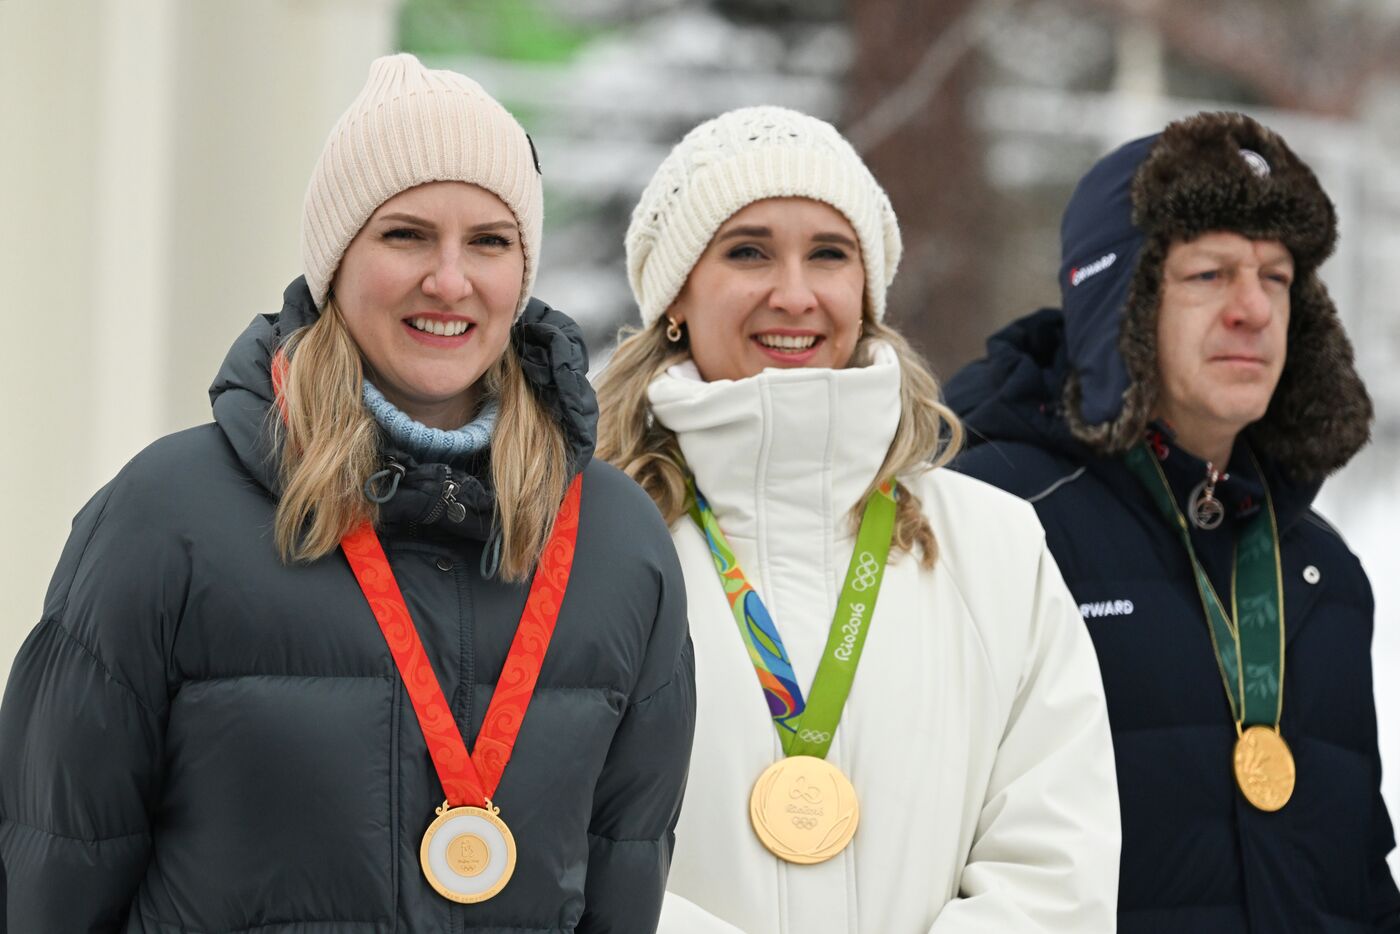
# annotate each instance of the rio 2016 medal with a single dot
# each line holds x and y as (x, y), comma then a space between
(468, 853)
(1264, 768)
(803, 809)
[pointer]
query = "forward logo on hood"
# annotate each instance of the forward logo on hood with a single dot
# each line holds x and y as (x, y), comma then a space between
(1079, 273)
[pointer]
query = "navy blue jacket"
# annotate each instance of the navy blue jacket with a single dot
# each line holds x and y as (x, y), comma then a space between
(1196, 856)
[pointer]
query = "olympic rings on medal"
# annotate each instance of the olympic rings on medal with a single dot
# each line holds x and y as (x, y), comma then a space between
(865, 572)
(804, 823)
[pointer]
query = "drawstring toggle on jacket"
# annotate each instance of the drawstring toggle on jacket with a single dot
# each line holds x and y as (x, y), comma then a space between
(393, 472)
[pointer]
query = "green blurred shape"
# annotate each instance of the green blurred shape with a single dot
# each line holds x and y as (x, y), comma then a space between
(518, 30)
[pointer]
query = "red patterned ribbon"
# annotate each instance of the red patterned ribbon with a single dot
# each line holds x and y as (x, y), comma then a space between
(464, 781)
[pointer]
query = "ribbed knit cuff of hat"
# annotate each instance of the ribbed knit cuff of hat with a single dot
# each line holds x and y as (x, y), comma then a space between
(432, 445)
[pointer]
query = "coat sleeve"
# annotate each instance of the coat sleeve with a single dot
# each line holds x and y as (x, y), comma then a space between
(1384, 906)
(682, 916)
(1385, 899)
(81, 729)
(1045, 855)
(638, 796)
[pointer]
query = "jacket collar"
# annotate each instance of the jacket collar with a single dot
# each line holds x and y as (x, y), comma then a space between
(552, 356)
(1240, 488)
(786, 449)
(1015, 394)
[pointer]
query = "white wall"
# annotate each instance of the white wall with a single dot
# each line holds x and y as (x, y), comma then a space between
(153, 157)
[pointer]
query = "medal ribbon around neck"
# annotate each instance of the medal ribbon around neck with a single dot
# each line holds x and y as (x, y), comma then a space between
(806, 726)
(468, 780)
(1249, 640)
(465, 781)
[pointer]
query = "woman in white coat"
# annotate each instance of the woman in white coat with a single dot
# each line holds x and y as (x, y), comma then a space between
(785, 433)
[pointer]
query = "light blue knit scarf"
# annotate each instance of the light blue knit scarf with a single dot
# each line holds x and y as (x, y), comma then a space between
(432, 445)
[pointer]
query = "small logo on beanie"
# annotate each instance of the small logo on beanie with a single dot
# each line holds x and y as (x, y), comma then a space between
(1079, 273)
(534, 154)
(1256, 162)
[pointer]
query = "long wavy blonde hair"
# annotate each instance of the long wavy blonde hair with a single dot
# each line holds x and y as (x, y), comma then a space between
(330, 447)
(929, 433)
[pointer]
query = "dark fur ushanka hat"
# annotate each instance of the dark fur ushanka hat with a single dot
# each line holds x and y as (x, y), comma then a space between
(1226, 172)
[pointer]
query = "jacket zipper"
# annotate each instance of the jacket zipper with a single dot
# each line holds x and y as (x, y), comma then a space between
(447, 502)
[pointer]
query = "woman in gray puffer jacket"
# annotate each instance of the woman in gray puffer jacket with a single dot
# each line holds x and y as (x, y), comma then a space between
(209, 729)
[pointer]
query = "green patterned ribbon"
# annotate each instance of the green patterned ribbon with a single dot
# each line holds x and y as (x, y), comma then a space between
(1248, 641)
(806, 728)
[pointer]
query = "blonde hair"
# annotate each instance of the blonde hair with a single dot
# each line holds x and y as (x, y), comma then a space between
(929, 433)
(330, 447)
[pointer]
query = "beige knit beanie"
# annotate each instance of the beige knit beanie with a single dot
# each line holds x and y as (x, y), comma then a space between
(410, 126)
(738, 158)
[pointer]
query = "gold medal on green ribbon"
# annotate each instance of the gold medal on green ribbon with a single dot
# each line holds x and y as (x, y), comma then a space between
(803, 808)
(1248, 640)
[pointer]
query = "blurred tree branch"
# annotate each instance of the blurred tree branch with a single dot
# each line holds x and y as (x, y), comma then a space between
(943, 54)
(1309, 55)
(908, 112)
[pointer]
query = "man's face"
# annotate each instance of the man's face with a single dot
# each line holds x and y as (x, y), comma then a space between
(1222, 331)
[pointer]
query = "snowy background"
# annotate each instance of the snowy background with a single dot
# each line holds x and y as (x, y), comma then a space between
(978, 116)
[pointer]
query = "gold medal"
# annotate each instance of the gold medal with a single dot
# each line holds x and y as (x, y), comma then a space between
(468, 853)
(1264, 768)
(803, 809)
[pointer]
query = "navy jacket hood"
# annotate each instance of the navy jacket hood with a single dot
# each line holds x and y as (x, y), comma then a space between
(1099, 247)
(1214, 172)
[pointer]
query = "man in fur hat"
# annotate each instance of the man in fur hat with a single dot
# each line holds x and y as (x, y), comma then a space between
(1172, 425)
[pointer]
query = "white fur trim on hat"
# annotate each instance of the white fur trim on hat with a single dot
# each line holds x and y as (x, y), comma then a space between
(410, 126)
(738, 158)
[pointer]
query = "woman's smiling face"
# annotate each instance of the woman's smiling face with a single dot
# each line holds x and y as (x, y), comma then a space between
(781, 284)
(428, 290)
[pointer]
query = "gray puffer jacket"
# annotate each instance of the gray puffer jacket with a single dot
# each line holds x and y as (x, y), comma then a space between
(197, 738)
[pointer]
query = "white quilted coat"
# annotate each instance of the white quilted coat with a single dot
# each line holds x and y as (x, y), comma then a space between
(976, 733)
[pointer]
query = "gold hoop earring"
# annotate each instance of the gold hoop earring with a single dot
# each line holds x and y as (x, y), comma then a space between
(673, 330)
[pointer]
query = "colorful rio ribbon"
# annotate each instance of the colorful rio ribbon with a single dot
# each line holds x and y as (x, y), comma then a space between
(812, 734)
(765, 646)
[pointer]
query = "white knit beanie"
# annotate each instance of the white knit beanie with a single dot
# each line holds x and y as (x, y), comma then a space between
(410, 126)
(738, 158)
